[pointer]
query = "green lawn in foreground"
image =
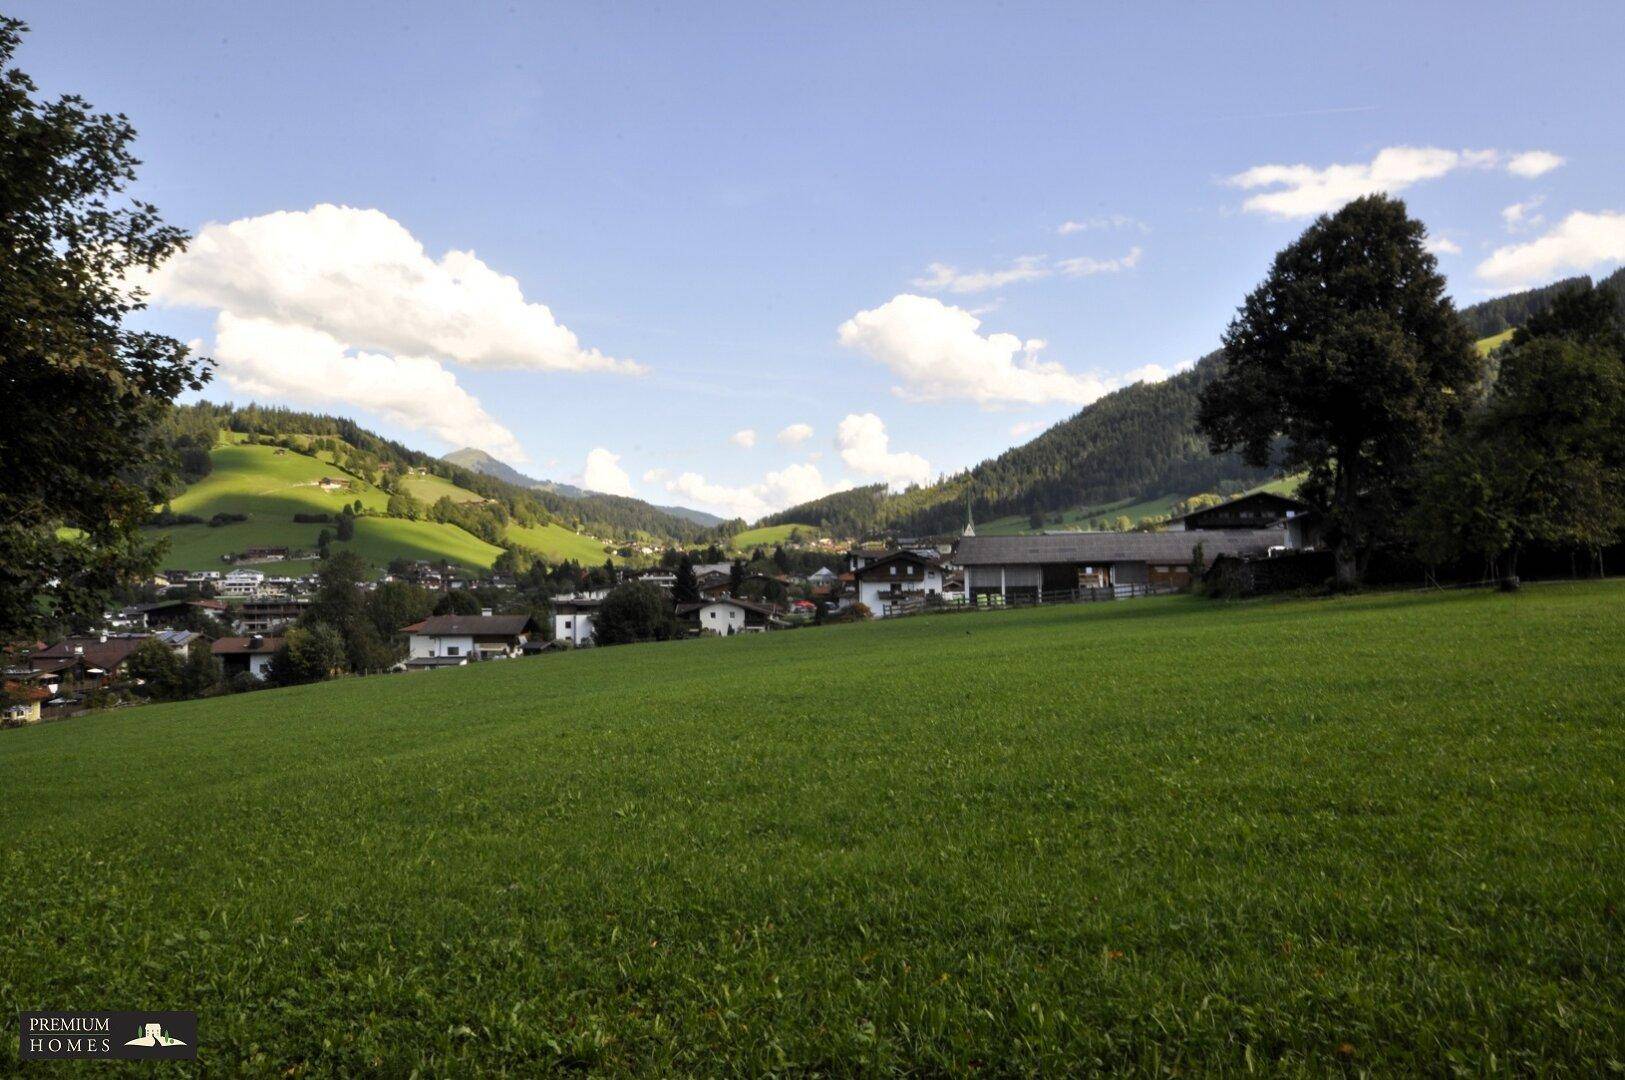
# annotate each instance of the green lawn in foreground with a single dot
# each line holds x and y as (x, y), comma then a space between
(772, 536)
(1153, 836)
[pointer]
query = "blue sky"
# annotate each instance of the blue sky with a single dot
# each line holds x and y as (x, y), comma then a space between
(838, 217)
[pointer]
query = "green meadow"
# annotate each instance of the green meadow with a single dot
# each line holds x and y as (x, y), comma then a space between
(1381, 834)
(771, 536)
(271, 485)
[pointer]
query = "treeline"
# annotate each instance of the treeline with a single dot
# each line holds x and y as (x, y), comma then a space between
(1513, 310)
(1137, 441)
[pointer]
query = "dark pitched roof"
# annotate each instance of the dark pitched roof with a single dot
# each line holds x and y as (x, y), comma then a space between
(1263, 500)
(244, 646)
(473, 625)
(105, 655)
(749, 605)
(1107, 547)
(901, 555)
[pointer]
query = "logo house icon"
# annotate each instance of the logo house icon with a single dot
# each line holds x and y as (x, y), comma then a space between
(149, 1034)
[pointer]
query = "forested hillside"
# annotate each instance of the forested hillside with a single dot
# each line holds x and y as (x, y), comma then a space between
(1136, 443)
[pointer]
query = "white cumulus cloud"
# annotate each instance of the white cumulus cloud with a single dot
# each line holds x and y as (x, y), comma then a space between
(1580, 242)
(603, 473)
(939, 354)
(268, 359)
(866, 448)
(336, 288)
(778, 489)
(1299, 191)
(360, 276)
(1442, 245)
(795, 434)
(1533, 163)
(745, 437)
(940, 277)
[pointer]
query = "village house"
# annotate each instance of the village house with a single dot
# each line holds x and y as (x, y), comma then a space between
(80, 663)
(21, 704)
(261, 615)
(1023, 567)
(823, 577)
(264, 554)
(727, 615)
(171, 612)
(475, 637)
(241, 583)
(1259, 510)
(251, 655)
(572, 619)
(899, 578)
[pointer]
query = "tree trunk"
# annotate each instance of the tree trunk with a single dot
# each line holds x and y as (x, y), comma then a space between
(1346, 551)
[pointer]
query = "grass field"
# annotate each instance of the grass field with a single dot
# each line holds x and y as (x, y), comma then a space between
(271, 487)
(431, 489)
(1382, 834)
(556, 543)
(1490, 344)
(771, 536)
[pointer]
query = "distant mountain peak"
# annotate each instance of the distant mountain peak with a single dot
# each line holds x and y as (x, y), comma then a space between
(475, 460)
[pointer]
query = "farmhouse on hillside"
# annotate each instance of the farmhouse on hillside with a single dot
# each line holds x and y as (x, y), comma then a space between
(885, 583)
(476, 637)
(246, 655)
(1020, 567)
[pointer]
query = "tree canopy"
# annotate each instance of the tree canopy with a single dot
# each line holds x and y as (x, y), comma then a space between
(1348, 362)
(83, 394)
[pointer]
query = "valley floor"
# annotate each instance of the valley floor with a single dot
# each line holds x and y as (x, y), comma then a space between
(1384, 832)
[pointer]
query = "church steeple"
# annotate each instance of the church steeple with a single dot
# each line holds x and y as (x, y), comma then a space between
(970, 522)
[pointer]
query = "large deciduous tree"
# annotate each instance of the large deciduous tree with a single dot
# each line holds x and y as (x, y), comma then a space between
(83, 460)
(1348, 362)
(1543, 462)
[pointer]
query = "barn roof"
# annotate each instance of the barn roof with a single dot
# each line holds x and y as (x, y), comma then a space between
(1109, 547)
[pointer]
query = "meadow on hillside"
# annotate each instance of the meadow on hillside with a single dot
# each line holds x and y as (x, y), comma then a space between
(1383, 833)
(271, 485)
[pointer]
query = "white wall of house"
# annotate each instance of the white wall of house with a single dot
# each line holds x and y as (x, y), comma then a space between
(574, 627)
(874, 591)
(720, 618)
(259, 665)
(440, 645)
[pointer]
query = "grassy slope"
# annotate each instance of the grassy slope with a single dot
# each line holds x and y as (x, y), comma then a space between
(1490, 344)
(431, 488)
(1163, 834)
(771, 535)
(556, 543)
(272, 487)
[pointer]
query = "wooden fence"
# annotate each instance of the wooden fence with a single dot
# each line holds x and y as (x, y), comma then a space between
(936, 604)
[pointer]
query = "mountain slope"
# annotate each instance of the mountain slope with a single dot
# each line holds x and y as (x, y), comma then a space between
(1135, 445)
(483, 463)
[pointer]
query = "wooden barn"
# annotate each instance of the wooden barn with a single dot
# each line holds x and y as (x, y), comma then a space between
(1022, 567)
(1259, 510)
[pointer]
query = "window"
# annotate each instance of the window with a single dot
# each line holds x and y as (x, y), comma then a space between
(453, 650)
(894, 571)
(567, 624)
